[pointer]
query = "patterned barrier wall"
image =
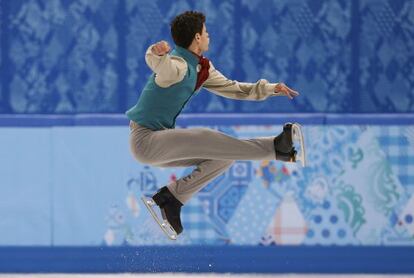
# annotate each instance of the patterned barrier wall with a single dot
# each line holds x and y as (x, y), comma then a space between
(79, 185)
(87, 56)
(70, 192)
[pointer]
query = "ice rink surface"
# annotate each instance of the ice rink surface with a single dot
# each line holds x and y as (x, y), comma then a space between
(183, 275)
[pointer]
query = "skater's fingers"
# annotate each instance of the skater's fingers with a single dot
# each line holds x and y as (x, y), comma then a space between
(156, 49)
(159, 51)
(161, 43)
(289, 94)
(165, 46)
(160, 48)
(290, 90)
(282, 88)
(285, 91)
(279, 87)
(165, 49)
(294, 93)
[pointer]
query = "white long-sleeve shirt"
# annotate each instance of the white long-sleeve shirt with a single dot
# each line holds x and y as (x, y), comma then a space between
(171, 69)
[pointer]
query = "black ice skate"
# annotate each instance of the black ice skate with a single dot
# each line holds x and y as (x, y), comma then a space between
(170, 209)
(285, 143)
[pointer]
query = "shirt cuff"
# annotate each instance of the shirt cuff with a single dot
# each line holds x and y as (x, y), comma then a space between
(153, 60)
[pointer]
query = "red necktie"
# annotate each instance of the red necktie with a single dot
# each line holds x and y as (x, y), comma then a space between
(202, 75)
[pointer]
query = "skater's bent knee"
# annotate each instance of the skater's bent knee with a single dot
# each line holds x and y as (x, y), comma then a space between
(140, 152)
(145, 159)
(142, 156)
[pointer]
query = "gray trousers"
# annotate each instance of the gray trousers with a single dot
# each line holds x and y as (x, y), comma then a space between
(212, 153)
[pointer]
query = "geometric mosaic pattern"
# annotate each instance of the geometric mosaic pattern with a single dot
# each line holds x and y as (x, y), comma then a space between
(397, 143)
(78, 56)
(357, 189)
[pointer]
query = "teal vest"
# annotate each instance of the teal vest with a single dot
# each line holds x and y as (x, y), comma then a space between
(157, 108)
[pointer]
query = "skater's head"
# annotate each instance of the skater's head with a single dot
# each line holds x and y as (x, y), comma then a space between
(188, 30)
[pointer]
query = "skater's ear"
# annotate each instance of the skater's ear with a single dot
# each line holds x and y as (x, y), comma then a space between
(198, 36)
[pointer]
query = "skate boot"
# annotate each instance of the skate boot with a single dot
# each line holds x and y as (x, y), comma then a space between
(170, 209)
(285, 142)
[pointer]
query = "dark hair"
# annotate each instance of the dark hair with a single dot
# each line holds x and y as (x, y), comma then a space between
(184, 27)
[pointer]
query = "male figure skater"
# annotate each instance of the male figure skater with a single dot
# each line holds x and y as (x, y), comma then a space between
(178, 75)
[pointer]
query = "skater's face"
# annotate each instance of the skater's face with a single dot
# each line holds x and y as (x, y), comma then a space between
(202, 39)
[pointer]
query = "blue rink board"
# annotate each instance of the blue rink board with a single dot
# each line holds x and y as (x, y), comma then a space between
(384, 260)
(39, 120)
(48, 257)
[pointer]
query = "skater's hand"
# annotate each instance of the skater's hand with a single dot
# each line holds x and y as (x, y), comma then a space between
(282, 88)
(161, 48)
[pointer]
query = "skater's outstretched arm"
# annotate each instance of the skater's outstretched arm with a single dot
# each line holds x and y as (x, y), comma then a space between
(168, 69)
(219, 84)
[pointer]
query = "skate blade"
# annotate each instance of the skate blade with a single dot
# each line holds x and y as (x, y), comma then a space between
(297, 136)
(164, 225)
